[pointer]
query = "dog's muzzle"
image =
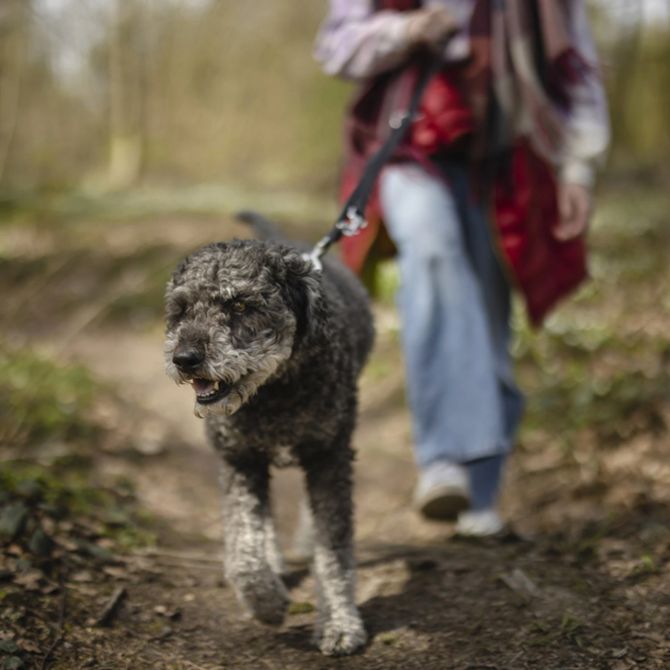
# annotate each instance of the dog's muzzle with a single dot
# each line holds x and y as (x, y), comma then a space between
(208, 391)
(188, 361)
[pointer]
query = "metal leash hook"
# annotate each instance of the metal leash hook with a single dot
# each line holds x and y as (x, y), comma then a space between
(353, 222)
(350, 224)
(314, 256)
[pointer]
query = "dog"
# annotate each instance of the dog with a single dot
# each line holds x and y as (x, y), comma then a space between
(273, 345)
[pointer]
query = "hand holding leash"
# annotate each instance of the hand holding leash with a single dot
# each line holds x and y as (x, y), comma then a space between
(431, 27)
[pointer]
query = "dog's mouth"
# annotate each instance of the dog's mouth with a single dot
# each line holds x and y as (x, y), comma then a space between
(208, 391)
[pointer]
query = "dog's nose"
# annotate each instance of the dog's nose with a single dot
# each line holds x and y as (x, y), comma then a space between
(187, 359)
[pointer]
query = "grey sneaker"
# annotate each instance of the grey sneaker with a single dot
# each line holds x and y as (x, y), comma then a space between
(442, 491)
(483, 523)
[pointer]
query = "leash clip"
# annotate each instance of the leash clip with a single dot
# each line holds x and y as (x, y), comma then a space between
(316, 254)
(397, 118)
(352, 223)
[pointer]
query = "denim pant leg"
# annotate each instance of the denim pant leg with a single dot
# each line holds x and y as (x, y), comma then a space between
(464, 403)
(496, 294)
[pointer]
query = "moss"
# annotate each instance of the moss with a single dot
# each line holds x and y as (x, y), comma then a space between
(300, 608)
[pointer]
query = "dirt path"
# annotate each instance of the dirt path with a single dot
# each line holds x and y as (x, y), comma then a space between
(588, 587)
(562, 601)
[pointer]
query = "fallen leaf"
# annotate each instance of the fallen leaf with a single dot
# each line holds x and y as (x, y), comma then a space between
(12, 520)
(30, 579)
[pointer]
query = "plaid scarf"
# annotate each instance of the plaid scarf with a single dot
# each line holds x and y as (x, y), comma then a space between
(518, 78)
(519, 73)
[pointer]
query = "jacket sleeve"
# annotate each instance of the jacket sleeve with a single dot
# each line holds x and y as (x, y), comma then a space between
(356, 42)
(588, 126)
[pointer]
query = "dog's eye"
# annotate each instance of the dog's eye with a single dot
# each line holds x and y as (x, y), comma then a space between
(238, 307)
(176, 310)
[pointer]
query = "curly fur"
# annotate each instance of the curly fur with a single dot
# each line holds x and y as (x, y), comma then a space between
(288, 360)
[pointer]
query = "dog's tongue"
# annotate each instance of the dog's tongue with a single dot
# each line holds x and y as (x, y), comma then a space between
(203, 386)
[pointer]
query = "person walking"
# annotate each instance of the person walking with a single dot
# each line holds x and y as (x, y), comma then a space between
(492, 187)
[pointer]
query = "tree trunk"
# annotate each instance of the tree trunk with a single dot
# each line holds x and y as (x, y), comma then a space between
(11, 78)
(125, 143)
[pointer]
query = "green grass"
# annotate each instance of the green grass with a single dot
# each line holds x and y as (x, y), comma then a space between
(40, 505)
(50, 486)
(204, 199)
(40, 400)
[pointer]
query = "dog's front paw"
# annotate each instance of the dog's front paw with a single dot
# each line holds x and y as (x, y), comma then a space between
(339, 638)
(264, 596)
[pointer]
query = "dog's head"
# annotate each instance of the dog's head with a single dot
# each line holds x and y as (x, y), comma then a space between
(235, 314)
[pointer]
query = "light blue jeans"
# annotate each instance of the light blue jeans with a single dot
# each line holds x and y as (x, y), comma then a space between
(454, 302)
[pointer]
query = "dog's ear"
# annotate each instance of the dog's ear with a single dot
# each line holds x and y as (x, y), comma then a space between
(301, 286)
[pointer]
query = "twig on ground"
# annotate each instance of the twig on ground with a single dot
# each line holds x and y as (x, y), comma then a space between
(191, 664)
(185, 556)
(111, 607)
(521, 583)
(60, 626)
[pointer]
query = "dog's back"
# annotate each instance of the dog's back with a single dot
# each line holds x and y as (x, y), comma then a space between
(355, 305)
(342, 285)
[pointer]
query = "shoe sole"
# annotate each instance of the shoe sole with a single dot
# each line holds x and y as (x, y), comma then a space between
(443, 504)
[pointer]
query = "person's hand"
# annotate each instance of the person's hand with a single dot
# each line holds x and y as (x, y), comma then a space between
(431, 27)
(575, 204)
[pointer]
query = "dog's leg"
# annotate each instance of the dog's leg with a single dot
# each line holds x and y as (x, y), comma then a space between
(247, 539)
(329, 487)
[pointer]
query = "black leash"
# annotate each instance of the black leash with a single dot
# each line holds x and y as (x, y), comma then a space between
(352, 218)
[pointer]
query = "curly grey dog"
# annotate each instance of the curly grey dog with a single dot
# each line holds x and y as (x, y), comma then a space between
(273, 347)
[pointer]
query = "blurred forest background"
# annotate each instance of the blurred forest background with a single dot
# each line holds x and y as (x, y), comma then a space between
(104, 94)
(113, 94)
(130, 132)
